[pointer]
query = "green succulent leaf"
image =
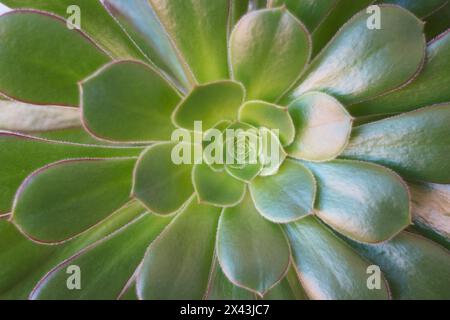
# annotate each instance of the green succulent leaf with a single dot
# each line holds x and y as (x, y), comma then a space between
(26, 154)
(177, 264)
(288, 289)
(415, 267)
(114, 257)
(142, 25)
(322, 127)
(95, 21)
(216, 188)
(271, 116)
(419, 8)
(24, 71)
(220, 288)
(66, 198)
(438, 22)
(243, 234)
(238, 9)
(310, 12)
(25, 262)
(429, 87)
(431, 207)
(159, 183)
(128, 102)
(286, 196)
(268, 51)
(363, 201)
(327, 267)
(360, 63)
(199, 31)
(22, 117)
(209, 103)
(415, 144)
(246, 173)
(340, 13)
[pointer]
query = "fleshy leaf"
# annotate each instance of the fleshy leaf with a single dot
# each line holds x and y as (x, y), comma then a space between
(66, 198)
(199, 31)
(24, 71)
(419, 8)
(142, 25)
(415, 144)
(95, 21)
(209, 103)
(23, 154)
(415, 267)
(438, 22)
(328, 268)
(339, 14)
(361, 63)
(246, 173)
(22, 117)
(220, 288)
(322, 127)
(216, 188)
(272, 153)
(431, 207)
(243, 235)
(25, 262)
(159, 183)
(238, 9)
(114, 257)
(363, 201)
(430, 86)
(286, 196)
(268, 51)
(288, 289)
(178, 263)
(310, 12)
(128, 102)
(271, 116)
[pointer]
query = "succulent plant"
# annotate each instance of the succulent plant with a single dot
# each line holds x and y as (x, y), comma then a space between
(359, 96)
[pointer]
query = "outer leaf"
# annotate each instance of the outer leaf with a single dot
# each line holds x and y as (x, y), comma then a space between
(142, 25)
(23, 117)
(359, 63)
(216, 188)
(430, 86)
(363, 201)
(310, 12)
(220, 288)
(128, 101)
(419, 8)
(63, 199)
(263, 114)
(209, 103)
(341, 12)
(431, 207)
(243, 235)
(268, 50)
(327, 267)
(322, 127)
(415, 267)
(23, 154)
(25, 262)
(95, 21)
(288, 289)
(415, 144)
(286, 196)
(24, 71)
(71, 135)
(438, 22)
(199, 31)
(159, 183)
(238, 9)
(106, 266)
(178, 262)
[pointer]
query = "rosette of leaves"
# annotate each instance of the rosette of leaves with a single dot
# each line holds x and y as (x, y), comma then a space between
(86, 177)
